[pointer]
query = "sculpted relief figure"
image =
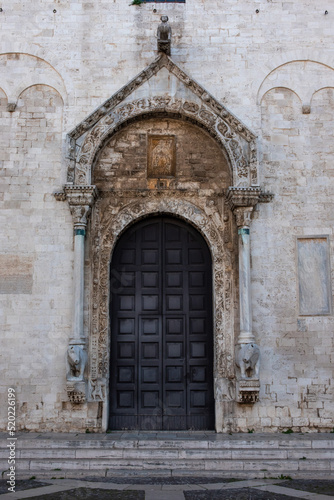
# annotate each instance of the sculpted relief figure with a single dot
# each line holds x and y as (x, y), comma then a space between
(76, 363)
(248, 360)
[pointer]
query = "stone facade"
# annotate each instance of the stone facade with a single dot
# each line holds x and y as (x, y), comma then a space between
(243, 107)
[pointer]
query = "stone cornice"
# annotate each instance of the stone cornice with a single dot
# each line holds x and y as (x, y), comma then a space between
(80, 195)
(80, 199)
(243, 197)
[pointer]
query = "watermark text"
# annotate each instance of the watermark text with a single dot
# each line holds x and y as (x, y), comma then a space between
(11, 440)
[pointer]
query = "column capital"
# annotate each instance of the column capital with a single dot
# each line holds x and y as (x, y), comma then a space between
(80, 199)
(243, 217)
(242, 201)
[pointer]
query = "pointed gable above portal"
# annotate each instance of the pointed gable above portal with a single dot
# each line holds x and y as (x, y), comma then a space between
(162, 87)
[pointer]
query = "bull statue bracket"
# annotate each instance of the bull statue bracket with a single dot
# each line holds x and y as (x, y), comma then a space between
(76, 365)
(247, 358)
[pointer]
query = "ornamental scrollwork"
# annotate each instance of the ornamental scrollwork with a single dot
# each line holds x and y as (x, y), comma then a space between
(244, 168)
(109, 221)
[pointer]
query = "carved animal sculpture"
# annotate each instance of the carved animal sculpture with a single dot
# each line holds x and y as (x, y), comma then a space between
(248, 360)
(76, 363)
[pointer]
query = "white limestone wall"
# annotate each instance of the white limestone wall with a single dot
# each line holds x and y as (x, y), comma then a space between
(56, 68)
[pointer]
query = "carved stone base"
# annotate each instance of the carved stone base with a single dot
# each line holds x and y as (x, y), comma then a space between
(164, 46)
(248, 391)
(76, 392)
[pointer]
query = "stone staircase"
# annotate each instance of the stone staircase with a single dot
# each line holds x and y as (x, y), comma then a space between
(183, 453)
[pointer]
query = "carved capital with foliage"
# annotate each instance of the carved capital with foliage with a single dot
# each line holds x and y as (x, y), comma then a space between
(243, 216)
(242, 201)
(80, 199)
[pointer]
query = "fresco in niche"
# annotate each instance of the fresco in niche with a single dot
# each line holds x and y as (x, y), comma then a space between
(314, 276)
(161, 156)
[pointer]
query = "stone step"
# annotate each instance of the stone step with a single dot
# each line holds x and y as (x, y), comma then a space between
(172, 454)
(237, 455)
(155, 463)
(222, 444)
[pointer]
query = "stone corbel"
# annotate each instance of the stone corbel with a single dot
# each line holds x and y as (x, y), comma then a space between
(80, 200)
(247, 353)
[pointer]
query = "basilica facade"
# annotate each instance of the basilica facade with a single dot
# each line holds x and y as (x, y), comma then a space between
(167, 215)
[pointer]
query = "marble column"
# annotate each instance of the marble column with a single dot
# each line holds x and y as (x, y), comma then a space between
(81, 200)
(247, 353)
(243, 215)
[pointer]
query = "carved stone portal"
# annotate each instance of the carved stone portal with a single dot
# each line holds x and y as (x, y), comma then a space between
(110, 217)
(116, 209)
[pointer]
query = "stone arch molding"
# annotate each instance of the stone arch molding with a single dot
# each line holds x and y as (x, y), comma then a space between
(108, 223)
(152, 92)
(303, 77)
(28, 71)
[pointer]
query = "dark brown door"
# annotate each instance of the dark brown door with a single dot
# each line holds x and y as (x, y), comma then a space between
(161, 329)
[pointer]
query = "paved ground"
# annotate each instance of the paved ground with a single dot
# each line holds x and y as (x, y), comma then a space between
(169, 488)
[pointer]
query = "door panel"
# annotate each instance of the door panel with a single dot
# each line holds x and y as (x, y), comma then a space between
(161, 329)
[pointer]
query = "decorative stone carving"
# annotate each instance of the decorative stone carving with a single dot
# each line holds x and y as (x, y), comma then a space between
(306, 109)
(11, 106)
(243, 197)
(97, 390)
(248, 391)
(164, 35)
(248, 360)
(221, 124)
(60, 195)
(233, 143)
(80, 200)
(76, 361)
(243, 216)
(111, 215)
(76, 392)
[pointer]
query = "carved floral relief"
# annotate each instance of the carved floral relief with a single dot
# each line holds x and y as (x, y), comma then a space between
(109, 222)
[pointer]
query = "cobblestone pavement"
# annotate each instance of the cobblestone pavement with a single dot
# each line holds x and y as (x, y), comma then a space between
(170, 488)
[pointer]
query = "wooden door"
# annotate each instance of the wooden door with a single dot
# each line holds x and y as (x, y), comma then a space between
(161, 328)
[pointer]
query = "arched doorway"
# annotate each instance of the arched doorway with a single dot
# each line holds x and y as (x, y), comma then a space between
(161, 362)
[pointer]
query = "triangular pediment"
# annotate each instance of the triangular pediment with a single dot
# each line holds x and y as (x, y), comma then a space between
(163, 87)
(162, 77)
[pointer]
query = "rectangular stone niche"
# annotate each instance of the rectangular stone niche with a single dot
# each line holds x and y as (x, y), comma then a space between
(314, 282)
